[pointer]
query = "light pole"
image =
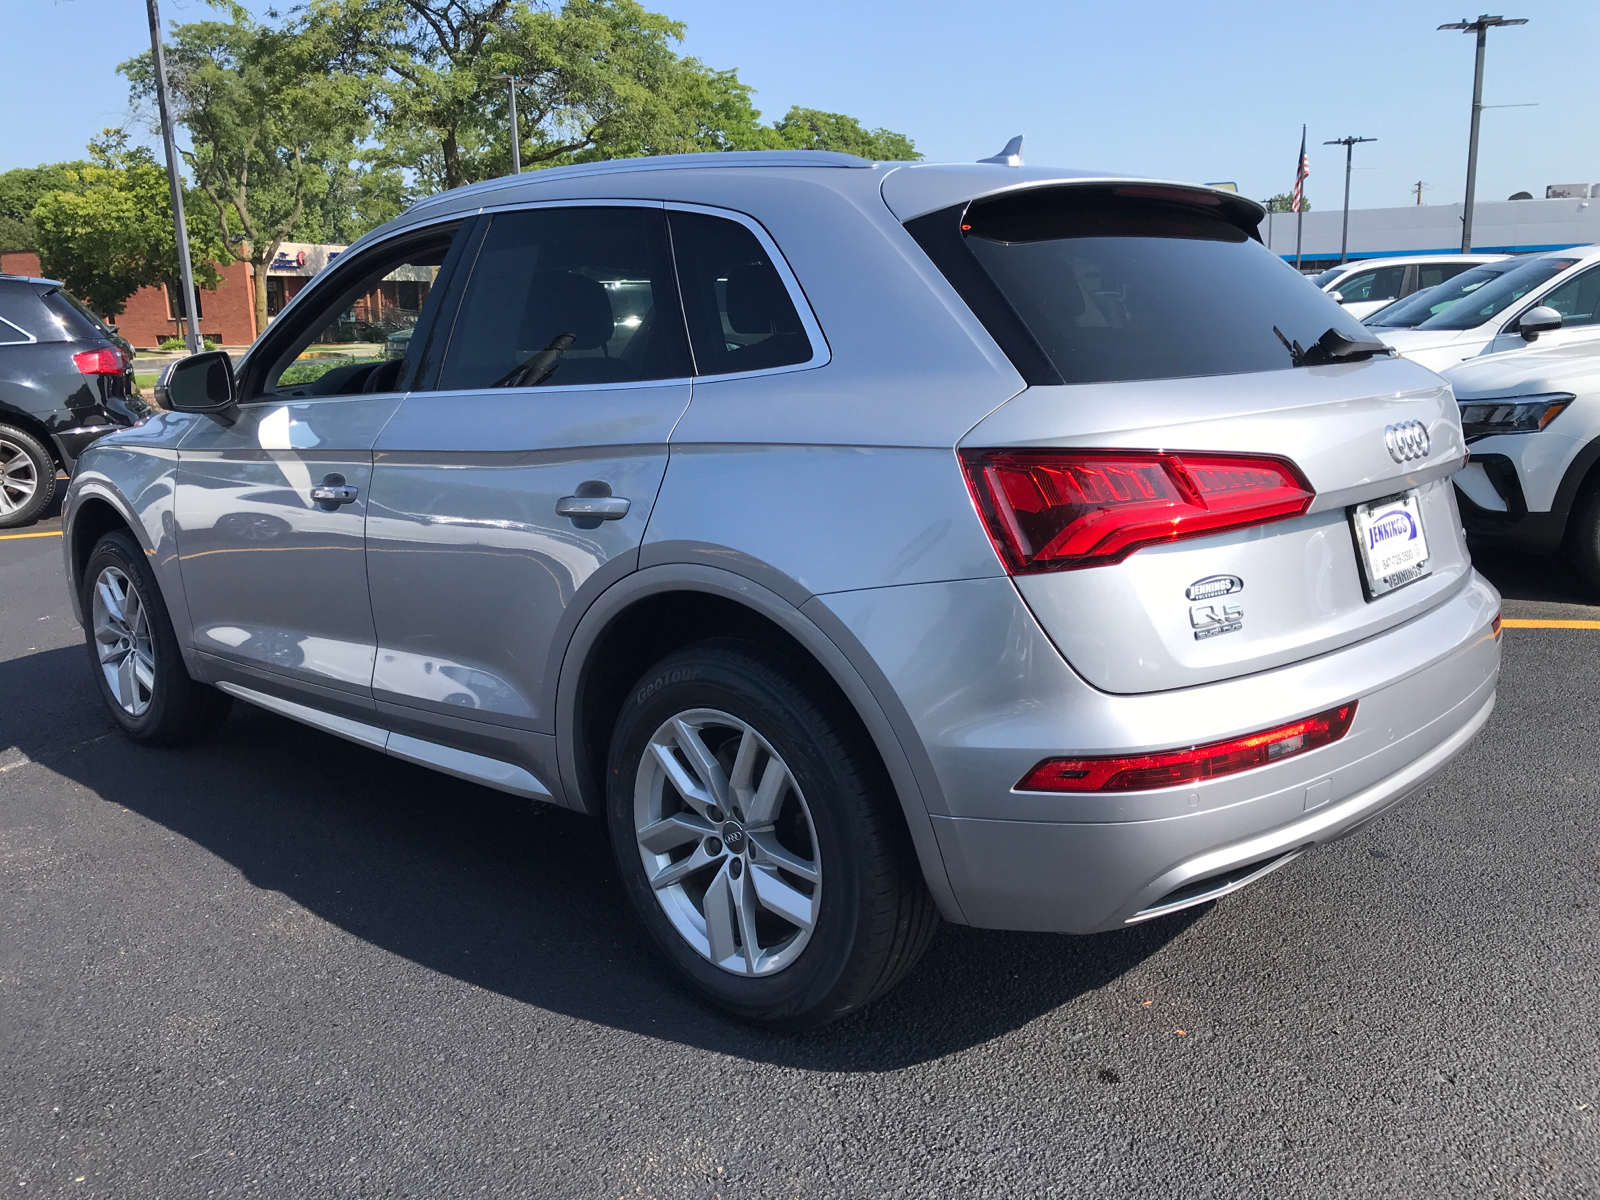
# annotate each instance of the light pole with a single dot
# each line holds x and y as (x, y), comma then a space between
(191, 310)
(1481, 27)
(1349, 144)
(516, 136)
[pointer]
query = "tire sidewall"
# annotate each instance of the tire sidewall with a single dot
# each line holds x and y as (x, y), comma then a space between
(45, 468)
(119, 550)
(756, 692)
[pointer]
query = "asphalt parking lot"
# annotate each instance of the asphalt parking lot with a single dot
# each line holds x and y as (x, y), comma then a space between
(278, 965)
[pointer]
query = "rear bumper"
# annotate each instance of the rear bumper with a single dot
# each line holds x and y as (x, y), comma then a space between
(994, 704)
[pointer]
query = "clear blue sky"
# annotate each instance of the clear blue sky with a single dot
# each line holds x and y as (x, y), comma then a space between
(1159, 87)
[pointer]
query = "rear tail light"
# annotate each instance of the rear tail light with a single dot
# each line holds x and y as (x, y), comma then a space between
(1052, 510)
(1175, 768)
(104, 361)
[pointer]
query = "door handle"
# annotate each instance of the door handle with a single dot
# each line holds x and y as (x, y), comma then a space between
(334, 491)
(593, 504)
(604, 508)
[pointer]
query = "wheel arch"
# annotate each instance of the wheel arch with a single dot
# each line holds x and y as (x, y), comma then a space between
(35, 428)
(659, 608)
(92, 512)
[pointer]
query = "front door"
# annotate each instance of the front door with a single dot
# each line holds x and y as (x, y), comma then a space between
(530, 467)
(1578, 302)
(271, 501)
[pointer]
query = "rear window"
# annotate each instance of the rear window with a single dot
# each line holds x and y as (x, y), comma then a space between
(1496, 296)
(1126, 282)
(77, 322)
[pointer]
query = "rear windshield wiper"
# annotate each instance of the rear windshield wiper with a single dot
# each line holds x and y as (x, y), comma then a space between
(538, 367)
(1331, 347)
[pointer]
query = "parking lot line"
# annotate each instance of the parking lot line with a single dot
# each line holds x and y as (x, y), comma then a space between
(9, 537)
(1526, 623)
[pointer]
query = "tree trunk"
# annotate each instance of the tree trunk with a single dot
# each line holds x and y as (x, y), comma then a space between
(453, 175)
(258, 288)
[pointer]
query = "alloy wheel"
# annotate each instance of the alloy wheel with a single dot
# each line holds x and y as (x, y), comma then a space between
(19, 477)
(727, 842)
(123, 641)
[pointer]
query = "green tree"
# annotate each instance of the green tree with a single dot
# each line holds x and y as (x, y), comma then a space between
(106, 230)
(1281, 202)
(812, 129)
(20, 191)
(273, 121)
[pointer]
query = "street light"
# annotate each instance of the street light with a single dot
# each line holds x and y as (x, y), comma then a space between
(158, 62)
(516, 137)
(1349, 144)
(1481, 27)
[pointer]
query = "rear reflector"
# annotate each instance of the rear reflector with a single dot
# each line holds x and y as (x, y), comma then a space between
(104, 361)
(1053, 510)
(1175, 768)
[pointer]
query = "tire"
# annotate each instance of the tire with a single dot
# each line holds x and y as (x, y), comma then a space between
(134, 653)
(1582, 545)
(786, 891)
(27, 477)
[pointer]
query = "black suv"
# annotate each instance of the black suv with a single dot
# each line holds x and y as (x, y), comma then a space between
(66, 378)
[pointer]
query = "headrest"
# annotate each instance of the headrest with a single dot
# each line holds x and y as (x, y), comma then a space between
(561, 302)
(757, 302)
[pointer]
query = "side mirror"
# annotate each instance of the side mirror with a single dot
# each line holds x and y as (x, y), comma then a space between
(201, 383)
(1535, 321)
(1336, 297)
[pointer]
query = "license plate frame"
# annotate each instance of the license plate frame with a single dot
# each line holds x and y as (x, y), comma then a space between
(1391, 542)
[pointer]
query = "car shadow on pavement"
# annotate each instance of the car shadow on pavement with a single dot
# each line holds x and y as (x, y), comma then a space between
(516, 897)
(1519, 576)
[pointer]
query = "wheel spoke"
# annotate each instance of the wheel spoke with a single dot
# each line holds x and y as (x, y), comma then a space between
(763, 806)
(144, 670)
(127, 685)
(702, 760)
(744, 907)
(111, 599)
(693, 794)
(766, 849)
(677, 830)
(720, 917)
(744, 765)
(679, 871)
(133, 606)
(779, 898)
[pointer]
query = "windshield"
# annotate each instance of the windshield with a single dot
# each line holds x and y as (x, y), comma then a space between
(1129, 282)
(1495, 296)
(1413, 310)
(1328, 276)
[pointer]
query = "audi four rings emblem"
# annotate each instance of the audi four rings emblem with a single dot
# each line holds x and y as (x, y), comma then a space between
(1407, 441)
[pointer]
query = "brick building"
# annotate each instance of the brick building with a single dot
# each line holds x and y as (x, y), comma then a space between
(227, 312)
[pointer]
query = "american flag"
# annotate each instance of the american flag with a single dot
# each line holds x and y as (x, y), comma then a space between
(1302, 169)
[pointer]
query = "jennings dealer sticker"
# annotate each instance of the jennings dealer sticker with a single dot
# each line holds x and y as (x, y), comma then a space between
(1391, 542)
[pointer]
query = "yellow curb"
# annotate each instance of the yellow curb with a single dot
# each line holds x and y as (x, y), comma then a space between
(9, 537)
(1516, 623)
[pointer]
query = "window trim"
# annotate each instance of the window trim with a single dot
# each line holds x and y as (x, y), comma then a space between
(821, 351)
(27, 338)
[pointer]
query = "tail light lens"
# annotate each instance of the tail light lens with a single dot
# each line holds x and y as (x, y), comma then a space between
(1053, 510)
(104, 361)
(1175, 768)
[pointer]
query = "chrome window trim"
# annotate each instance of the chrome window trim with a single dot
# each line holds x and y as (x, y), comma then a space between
(821, 352)
(27, 338)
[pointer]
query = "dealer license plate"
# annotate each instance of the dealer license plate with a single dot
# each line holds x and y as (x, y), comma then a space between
(1390, 542)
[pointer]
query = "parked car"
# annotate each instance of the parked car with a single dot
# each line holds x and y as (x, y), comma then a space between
(1418, 307)
(924, 548)
(66, 378)
(1533, 420)
(1365, 286)
(1554, 296)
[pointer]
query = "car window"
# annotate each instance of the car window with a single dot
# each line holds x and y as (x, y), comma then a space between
(740, 314)
(562, 296)
(347, 343)
(1497, 295)
(1122, 282)
(1417, 308)
(1433, 274)
(75, 321)
(1326, 277)
(1381, 284)
(1577, 300)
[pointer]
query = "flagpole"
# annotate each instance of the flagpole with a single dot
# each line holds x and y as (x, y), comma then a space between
(1299, 209)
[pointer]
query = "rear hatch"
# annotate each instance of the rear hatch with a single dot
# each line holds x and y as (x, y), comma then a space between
(1182, 493)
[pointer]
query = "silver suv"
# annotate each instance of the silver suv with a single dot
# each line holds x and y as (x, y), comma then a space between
(865, 543)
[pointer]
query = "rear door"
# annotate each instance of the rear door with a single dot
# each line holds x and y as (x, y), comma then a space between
(271, 502)
(1180, 492)
(529, 468)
